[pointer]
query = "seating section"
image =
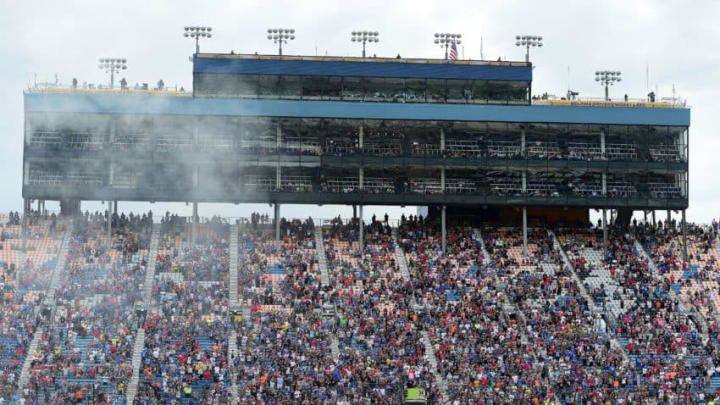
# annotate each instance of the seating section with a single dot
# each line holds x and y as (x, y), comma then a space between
(481, 320)
(186, 330)
(84, 354)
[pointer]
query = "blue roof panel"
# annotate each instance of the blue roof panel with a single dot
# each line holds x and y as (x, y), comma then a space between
(136, 104)
(400, 69)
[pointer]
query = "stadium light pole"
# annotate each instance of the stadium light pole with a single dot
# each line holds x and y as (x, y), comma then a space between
(445, 39)
(112, 66)
(197, 33)
(607, 78)
(364, 36)
(528, 41)
(280, 36)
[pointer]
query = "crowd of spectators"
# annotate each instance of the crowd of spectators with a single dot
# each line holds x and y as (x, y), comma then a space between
(86, 346)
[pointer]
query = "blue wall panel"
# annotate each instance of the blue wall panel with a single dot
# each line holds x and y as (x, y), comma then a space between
(361, 69)
(131, 104)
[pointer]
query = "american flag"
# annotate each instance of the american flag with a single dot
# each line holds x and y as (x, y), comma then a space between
(453, 52)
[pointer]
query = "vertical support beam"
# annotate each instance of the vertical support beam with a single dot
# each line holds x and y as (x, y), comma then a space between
(361, 222)
(354, 211)
(109, 225)
(602, 143)
(444, 229)
(522, 142)
(669, 218)
(361, 135)
(653, 218)
(442, 139)
(278, 135)
(604, 222)
(361, 178)
(26, 203)
(278, 139)
(277, 226)
(525, 248)
(115, 207)
(684, 235)
(442, 179)
(196, 219)
(645, 217)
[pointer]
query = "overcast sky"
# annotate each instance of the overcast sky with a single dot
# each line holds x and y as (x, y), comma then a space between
(678, 40)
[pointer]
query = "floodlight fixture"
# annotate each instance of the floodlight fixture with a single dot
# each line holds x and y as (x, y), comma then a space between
(196, 33)
(281, 36)
(112, 66)
(528, 41)
(607, 78)
(364, 37)
(446, 39)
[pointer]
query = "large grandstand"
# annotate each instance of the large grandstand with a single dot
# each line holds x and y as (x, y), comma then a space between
(504, 292)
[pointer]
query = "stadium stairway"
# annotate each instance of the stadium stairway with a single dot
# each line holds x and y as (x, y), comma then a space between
(233, 264)
(594, 308)
(696, 318)
(147, 299)
(322, 259)
(400, 256)
(58, 270)
(232, 354)
(325, 281)
(507, 305)
(430, 356)
(233, 295)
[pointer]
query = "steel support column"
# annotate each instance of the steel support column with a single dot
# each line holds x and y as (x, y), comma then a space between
(684, 235)
(195, 221)
(362, 249)
(524, 219)
(277, 226)
(605, 238)
(444, 229)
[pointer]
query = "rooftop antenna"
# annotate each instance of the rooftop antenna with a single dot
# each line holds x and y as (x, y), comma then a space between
(463, 52)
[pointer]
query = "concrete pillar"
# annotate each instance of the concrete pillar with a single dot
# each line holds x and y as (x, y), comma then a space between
(604, 184)
(602, 142)
(669, 218)
(354, 211)
(645, 217)
(684, 235)
(444, 229)
(115, 207)
(195, 221)
(524, 181)
(442, 139)
(361, 135)
(362, 249)
(278, 177)
(522, 143)
(605, 240)
(524, 219)
(277, 226)
(361, 178)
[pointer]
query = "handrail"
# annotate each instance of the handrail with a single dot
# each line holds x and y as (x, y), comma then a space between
(360, 59)
(125, 92)
(610, 103)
